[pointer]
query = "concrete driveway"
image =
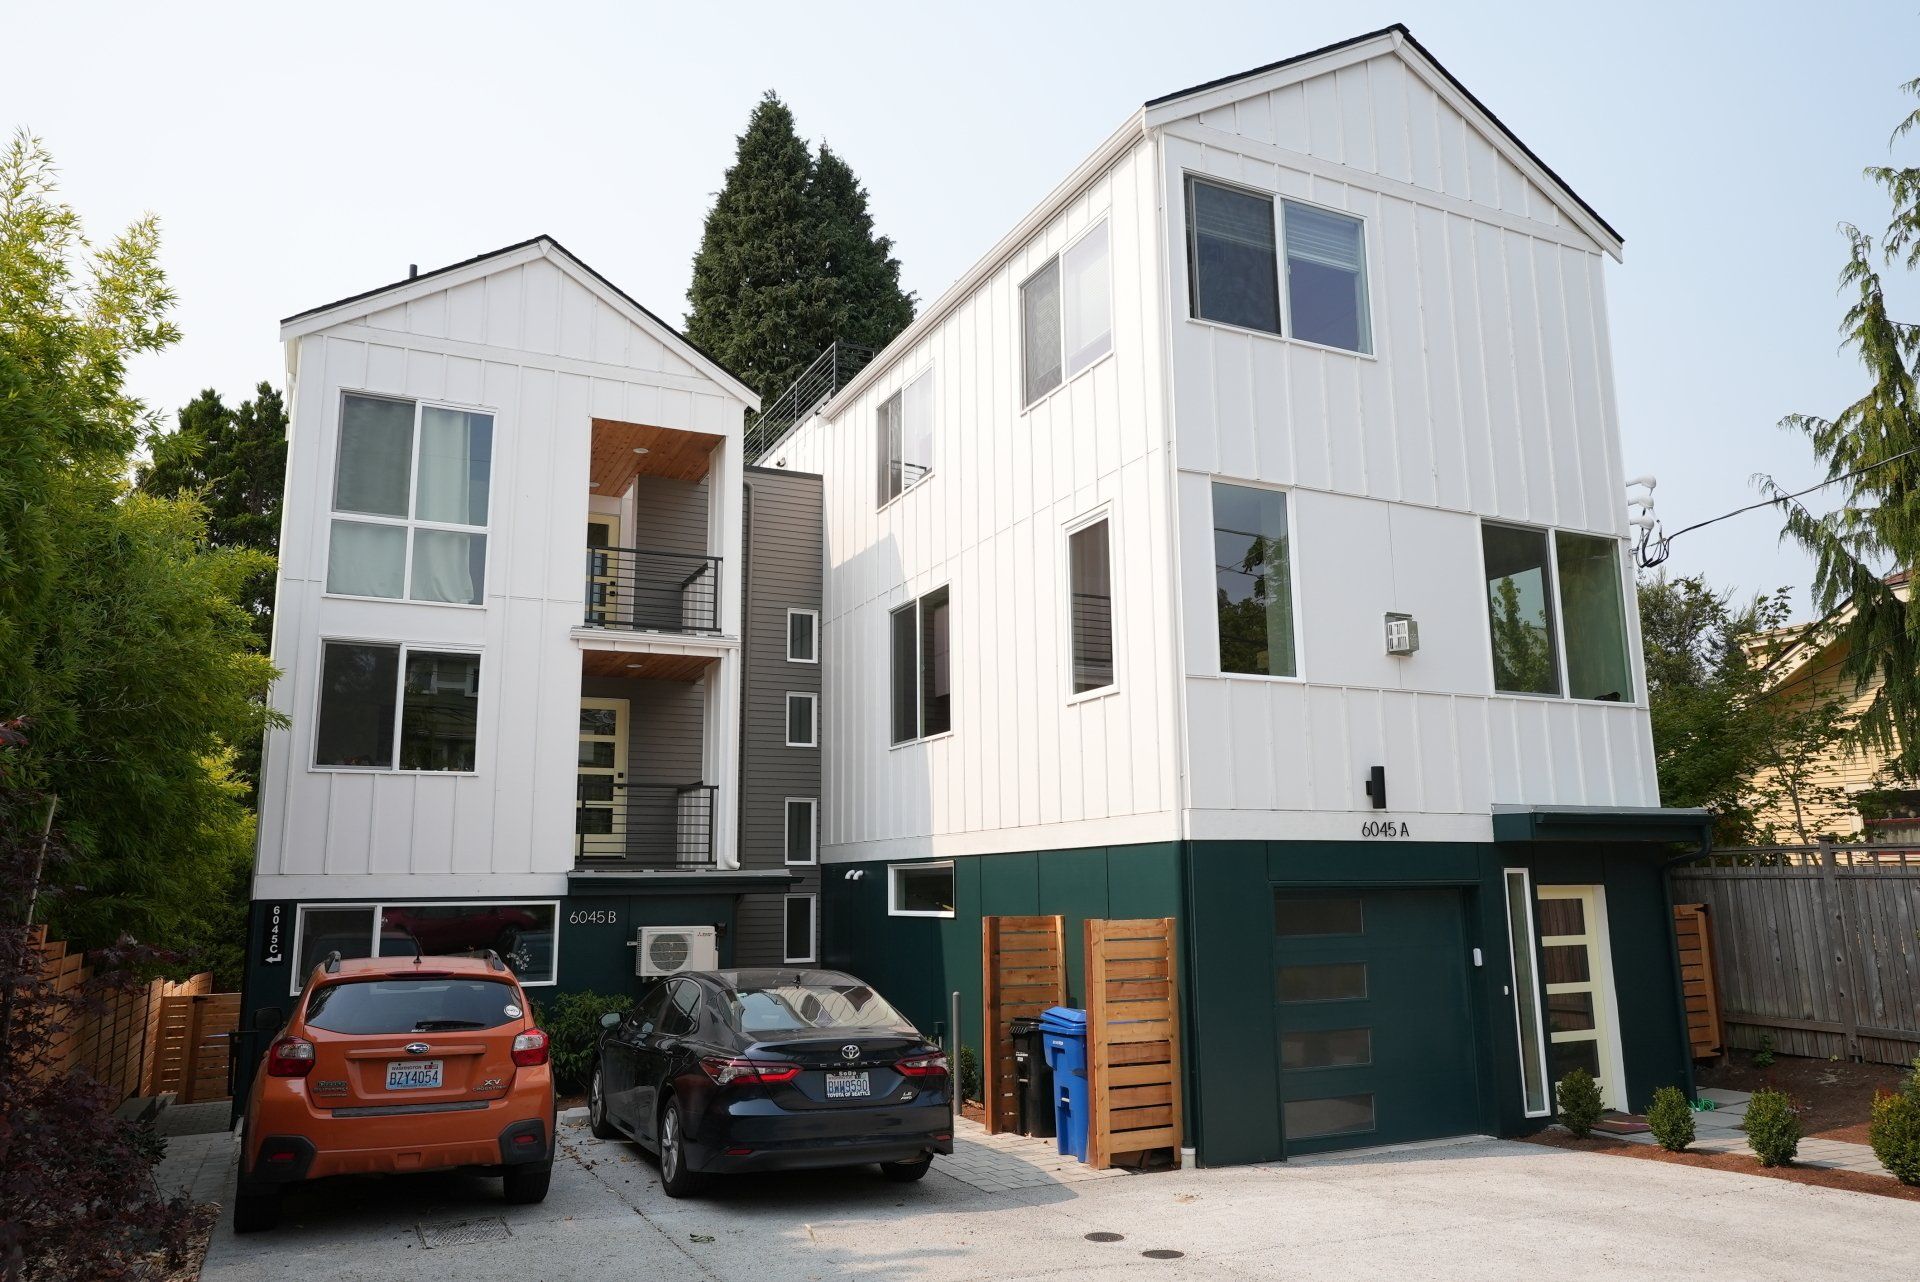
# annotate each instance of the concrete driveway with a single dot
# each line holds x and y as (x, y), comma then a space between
(1478, 1209)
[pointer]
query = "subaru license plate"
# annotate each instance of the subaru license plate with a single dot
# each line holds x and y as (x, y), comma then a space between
(848, 1086)
(412, 1074)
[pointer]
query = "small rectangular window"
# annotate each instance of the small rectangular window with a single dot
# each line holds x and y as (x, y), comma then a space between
(1232, 264)
(904, 648)
(904, 446)
(920, 663)
(1295, 918)
(358, 685)
(1253, 580)
(1327, 278)
(803, 636)
(803, 830)
(801, 711)
(936, 665)
(920, 890)
(1326, 1048)
(1337, 982)
(1520, 610)
(1306, 1119)
(1526, 1000)
(1090, 593)
(1040, 331)
(799, 928)
(1595, 618)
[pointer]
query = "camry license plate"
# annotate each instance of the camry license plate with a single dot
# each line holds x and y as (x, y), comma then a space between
(413, 1074)
(848, 1086)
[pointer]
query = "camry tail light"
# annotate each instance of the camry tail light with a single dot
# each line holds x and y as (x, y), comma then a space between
(934, 1065)
(725, 1071)
(290, 1057)
(530, 1048)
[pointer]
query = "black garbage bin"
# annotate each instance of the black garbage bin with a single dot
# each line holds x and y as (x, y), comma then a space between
(1032, 1079)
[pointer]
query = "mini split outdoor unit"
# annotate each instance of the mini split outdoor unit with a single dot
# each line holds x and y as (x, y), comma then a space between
(668, 950)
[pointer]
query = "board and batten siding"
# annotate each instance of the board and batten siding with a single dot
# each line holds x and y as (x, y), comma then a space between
(1024, 767)
(531, 343)
(1488, 394)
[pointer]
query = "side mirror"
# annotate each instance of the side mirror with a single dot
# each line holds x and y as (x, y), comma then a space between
(610, 1020)
(268, 1019)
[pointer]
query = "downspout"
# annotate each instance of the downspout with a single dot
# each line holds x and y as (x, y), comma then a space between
(1702, 851)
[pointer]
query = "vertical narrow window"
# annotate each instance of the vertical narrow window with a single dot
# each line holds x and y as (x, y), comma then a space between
(439, 713)
(887, 448)
(1086, 287)
(1232, 265)
(904, 444)
(803, 636)
(902, 634)
(1090, 592)
(802, 712)
(800, 910)
(1520, 610)
(1327, 278)
(1040, 331)
(1253, 580)
(920, 666)
(1594, 617)
(803, 830)
(1526, 994)
(357, 690)
(936, 668)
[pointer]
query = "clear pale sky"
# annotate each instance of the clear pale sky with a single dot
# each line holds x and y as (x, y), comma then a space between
(300, 153)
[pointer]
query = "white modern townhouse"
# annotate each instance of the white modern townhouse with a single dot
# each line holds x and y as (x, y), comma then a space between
(1243, 540)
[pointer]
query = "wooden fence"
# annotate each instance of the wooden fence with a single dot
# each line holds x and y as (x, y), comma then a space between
(1816, 947)
(1698, 980)
(1133, 1040)
(1024, 971)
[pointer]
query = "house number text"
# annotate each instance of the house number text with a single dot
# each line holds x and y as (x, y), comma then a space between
(593, 917)
(1382, 829)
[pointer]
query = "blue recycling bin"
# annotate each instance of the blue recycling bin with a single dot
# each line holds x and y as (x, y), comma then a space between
(1063, 1033)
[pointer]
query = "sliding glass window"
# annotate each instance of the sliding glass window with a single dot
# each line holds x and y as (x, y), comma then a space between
(1594, 617)
(1520, 610)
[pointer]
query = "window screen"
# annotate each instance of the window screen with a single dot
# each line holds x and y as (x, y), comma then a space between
(1090, 585)
(1040, 331)
(1327, 278)
(1232, 264)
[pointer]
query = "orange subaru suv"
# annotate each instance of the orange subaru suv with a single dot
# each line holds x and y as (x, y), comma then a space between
(394, 1065)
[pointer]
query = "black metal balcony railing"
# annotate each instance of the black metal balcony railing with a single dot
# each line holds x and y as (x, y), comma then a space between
(652, 591)
(831, 370)
(645, 825)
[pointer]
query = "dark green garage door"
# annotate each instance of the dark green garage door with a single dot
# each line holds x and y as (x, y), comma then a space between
(1376, 1037)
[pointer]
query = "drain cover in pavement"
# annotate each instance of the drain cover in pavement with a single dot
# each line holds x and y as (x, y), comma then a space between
(462, 1232)
(1164, 1254)
(1105, 1237)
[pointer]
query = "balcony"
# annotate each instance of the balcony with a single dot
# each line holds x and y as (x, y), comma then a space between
(647, 591)
(621, 825)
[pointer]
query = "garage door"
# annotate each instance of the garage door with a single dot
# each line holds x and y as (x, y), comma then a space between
(1376, 1035)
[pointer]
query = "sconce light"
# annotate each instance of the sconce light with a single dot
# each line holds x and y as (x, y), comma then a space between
(1403, 634)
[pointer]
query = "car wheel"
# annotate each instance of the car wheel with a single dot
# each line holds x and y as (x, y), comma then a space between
(907, 1172)
(675, 1178)
(602, 1126)
(254, 1212)
(525, 1185)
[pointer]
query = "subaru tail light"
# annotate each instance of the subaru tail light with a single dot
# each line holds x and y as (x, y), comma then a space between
(290, 1057)
(726, 1071)
(934, 1065)
(530, 1048)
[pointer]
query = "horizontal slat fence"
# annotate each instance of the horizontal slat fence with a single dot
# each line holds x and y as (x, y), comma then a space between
(1698, 979)
(1024, 967)
(1816, 947)
(1133, 1040)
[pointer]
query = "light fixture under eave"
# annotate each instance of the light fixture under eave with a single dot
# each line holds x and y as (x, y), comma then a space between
(636, 665)
(593, 485)
(641, 449)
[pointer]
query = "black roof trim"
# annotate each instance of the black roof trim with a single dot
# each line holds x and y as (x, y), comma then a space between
(1439, 66)
(577, 261)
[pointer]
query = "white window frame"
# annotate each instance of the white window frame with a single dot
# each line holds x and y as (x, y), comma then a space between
(900, 394)
(1635, 670)
(1539, 1047)
(1057, 262)
(814, 626)
(409, 522)
(893, 887)
(399, 706)
(1293, 581)
(297, 980)
(813, 930)
(1278, 199)
(813, 832)
(916, 604)
(1102, 513)
(813, 718)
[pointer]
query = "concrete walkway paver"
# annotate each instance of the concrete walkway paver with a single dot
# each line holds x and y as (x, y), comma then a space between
(1721, 1130)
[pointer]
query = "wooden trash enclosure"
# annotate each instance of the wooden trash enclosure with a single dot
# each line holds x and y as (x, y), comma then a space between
(1023, 972)
(1697, 980)
(193, 1037)
(1133, 1040)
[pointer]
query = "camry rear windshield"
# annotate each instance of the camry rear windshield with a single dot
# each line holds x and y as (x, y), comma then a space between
(412, 1006)
(799, 1008)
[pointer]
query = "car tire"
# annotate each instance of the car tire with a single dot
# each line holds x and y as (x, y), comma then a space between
(525, 1185)
(907, 1172)
(255, 1212)
(675, 1178)
(597, 1119)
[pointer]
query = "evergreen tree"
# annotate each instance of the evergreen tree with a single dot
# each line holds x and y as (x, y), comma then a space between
(788, 261)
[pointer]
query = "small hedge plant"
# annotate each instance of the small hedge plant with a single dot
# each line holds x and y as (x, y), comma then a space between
(1671, 1119)
(966, 1070)
(1773, 1128)
(572, 1023)
(1578, 1097)
(1895, 1129)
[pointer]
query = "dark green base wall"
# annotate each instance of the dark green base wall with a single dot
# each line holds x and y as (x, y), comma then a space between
(1222, 892)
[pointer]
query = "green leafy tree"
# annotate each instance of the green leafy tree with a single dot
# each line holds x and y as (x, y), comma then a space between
(789, 261)
(125, 643)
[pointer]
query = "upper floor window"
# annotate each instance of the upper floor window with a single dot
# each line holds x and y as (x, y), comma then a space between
(1090, 589)
(410, 493)
(803, 716)
(1253, 580)
(803, 636)
(1541, 582)
(905, 444)
(1233, 265)
(1066, 314)
(922, 668)
(366, 708)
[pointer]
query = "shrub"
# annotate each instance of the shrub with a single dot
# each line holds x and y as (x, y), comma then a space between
(1578, 1096)
(1763, 1058)
(1773, 1128)
(1895, 1129)
(966, 1068)
(1671, 1119)
(572, 1023)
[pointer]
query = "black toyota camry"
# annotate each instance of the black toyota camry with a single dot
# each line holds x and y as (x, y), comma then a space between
(766, 1070)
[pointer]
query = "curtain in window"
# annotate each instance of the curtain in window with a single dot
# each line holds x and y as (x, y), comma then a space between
(1594, 617)
(1086, 284)
(374, 468)
(916, 431)
(1235, 271)
(448, 565)
(456, 461)
(1040, 331)
(1326, 278)
(364, 559)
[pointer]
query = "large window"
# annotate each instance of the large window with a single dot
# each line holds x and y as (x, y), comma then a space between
(1253, 580)
(1542, 585)
(920, 890)
(366, 708)
(1595, 620)
(905, 444)
(801, 913)
(520, 932)
(1520, 609)
(1090, 592)
(1066, 314)
(803, 830)
(1233, 266)
(410, 492)
(921, 685)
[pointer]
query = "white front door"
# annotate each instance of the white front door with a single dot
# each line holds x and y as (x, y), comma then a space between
(600, 821)
(1577, 973)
